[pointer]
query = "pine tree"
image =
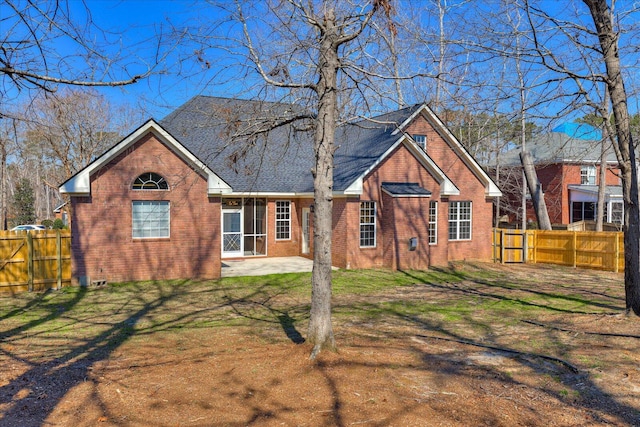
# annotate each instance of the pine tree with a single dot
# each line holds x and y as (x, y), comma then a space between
(24, 203)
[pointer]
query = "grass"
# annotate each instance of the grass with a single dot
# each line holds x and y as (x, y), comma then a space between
(465, 299)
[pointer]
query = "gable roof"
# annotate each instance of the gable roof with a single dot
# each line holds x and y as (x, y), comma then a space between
(80, 183)
(228, 136)
(491, 188)
(559, 147)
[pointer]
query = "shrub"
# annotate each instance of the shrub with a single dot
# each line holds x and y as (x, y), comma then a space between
(58, 224)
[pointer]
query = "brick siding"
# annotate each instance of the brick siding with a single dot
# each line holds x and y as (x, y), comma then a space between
(102, 245)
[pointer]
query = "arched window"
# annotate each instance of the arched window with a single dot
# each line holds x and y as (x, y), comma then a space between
(150, 181)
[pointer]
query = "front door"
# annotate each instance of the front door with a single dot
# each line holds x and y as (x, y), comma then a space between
(232, 232)
(306, 213)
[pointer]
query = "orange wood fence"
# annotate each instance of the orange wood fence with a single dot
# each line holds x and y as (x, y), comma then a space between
(34, 260)
(585, 249)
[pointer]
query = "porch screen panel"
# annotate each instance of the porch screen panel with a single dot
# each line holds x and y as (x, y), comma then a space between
(255, 231)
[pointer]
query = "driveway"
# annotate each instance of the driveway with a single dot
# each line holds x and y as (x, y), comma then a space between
(263, 266)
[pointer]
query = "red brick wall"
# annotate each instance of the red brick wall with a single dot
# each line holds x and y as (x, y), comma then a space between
(405, 218)
(398, 219)
(290, 247)
(103, 247)
(471, 189)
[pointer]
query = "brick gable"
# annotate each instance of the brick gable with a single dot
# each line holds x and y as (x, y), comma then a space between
(103, 247)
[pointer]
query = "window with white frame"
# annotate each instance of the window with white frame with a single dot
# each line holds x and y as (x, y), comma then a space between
(588, 175)
(459, 220)
(150, 219)
(367, 224)
(283, 220)
(421, 141)
(150, 181)
(617, 213)
(433, 223)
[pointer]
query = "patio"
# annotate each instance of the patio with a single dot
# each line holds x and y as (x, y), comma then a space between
(264, 266)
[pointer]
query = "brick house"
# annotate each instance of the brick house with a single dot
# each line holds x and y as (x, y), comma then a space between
(568, 162)
(175, 199)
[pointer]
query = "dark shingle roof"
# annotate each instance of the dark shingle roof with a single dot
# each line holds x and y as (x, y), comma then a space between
(558, 147)
(411, 189)
(214, 129)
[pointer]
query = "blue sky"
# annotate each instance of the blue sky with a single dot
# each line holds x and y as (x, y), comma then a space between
(134, 23)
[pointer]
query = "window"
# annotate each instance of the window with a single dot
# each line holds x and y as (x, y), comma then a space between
(150, 219)
(367, 224)
(433, 223)
(617, 211)
(583, 211)
(283, 220)
(150, 181)
(459, 220)
(588, 175)
(421, 141)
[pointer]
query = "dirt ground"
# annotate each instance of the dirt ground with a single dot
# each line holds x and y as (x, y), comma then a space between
(388, 372)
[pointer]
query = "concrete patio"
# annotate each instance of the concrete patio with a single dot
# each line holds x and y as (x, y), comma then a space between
(264, 266)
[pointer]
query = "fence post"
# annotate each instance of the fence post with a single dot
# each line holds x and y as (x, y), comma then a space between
(30, 260)
(575, 249)
(502, 246)
(59, 258)
(534, 245)
(617, 257)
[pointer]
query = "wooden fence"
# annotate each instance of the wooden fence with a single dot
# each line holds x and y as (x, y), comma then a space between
(34, 260)
(585, 249)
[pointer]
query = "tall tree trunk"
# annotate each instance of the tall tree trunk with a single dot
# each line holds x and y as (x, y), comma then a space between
(535, 189)
(3, 186)
(320, 332)
(603, 20)
(602, 181)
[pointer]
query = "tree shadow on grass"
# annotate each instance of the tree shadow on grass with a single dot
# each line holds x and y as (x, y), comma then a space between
(30, 397)
(578, 382)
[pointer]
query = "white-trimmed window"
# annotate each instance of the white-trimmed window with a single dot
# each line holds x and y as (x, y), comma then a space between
(588, 175)
(367, 224)
(150, 219)
(433, 223)
(421, 141)
(283, 220)
(459, 220)
(150, 181)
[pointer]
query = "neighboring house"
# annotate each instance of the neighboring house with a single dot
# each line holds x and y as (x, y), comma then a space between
(61, 212)
(176, 198)
(568, 162)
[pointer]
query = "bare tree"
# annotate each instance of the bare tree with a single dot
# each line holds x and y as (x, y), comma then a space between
(608, 36)
(44, 46)
(315, 55)
(74, 126)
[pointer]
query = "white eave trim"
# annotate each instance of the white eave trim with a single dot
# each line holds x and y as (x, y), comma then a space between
(80, 183)
(447, 187)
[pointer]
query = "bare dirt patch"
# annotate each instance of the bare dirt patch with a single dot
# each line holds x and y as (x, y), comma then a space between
(509, 356)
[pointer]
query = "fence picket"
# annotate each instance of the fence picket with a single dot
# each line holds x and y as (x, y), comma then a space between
(586, 249)
(34, 261)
